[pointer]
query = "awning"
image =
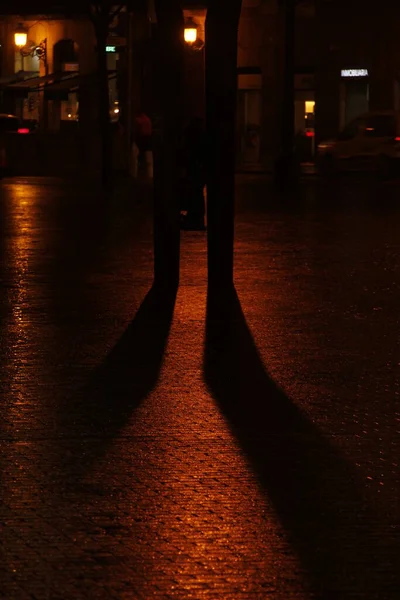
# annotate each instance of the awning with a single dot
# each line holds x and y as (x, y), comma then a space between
(65, 85)
(54, 84)
(72, 84)
(16, 77)
(33, 84)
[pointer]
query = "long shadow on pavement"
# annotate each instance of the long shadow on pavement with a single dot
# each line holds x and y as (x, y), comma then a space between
(343, 538)
(121, 382)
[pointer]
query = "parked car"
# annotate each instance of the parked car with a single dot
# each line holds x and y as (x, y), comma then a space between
(369, 143)
(8, 124)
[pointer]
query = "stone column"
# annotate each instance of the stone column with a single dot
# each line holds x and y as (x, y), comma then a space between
(221, 88)
(167, 124)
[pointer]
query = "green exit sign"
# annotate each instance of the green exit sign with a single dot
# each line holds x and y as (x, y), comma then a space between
(110, 49)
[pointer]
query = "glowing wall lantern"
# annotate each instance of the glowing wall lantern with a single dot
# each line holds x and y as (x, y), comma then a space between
(20, 36)
(190, 33)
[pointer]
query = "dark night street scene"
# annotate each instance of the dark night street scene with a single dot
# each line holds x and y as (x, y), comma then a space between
(199, 300)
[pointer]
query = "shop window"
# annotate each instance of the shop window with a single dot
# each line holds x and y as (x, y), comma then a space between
(309, 106)
(28, 64)
(112, 66)
(249, 124)
(309, 117)
(356, 99)
(70, 108)
(31, 107)
(304, 124)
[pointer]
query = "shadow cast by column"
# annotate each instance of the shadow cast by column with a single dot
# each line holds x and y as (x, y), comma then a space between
(128, 374)
(345, 540)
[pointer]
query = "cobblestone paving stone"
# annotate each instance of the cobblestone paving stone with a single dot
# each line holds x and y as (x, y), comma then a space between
(177, 450)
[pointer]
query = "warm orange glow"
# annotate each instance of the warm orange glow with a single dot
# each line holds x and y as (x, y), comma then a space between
(190, 35)
(310, 106)
(20, 38)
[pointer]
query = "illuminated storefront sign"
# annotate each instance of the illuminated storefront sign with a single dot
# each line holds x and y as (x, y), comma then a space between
(354, 73)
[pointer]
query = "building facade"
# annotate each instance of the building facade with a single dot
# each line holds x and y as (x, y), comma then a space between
(60, 94)
(57, 88)
(347, 61)
(357, 63)
(260, 81)
(52, 85)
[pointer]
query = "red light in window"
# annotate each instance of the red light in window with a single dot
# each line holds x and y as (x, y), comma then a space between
(23, 130)
(310, 134)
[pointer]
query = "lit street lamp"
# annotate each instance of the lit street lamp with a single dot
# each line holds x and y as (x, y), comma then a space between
(30, 49)
(20, 36)
(190, 33)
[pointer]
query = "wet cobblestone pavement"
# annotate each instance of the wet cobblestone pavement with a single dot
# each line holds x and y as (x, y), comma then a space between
(180, 449)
